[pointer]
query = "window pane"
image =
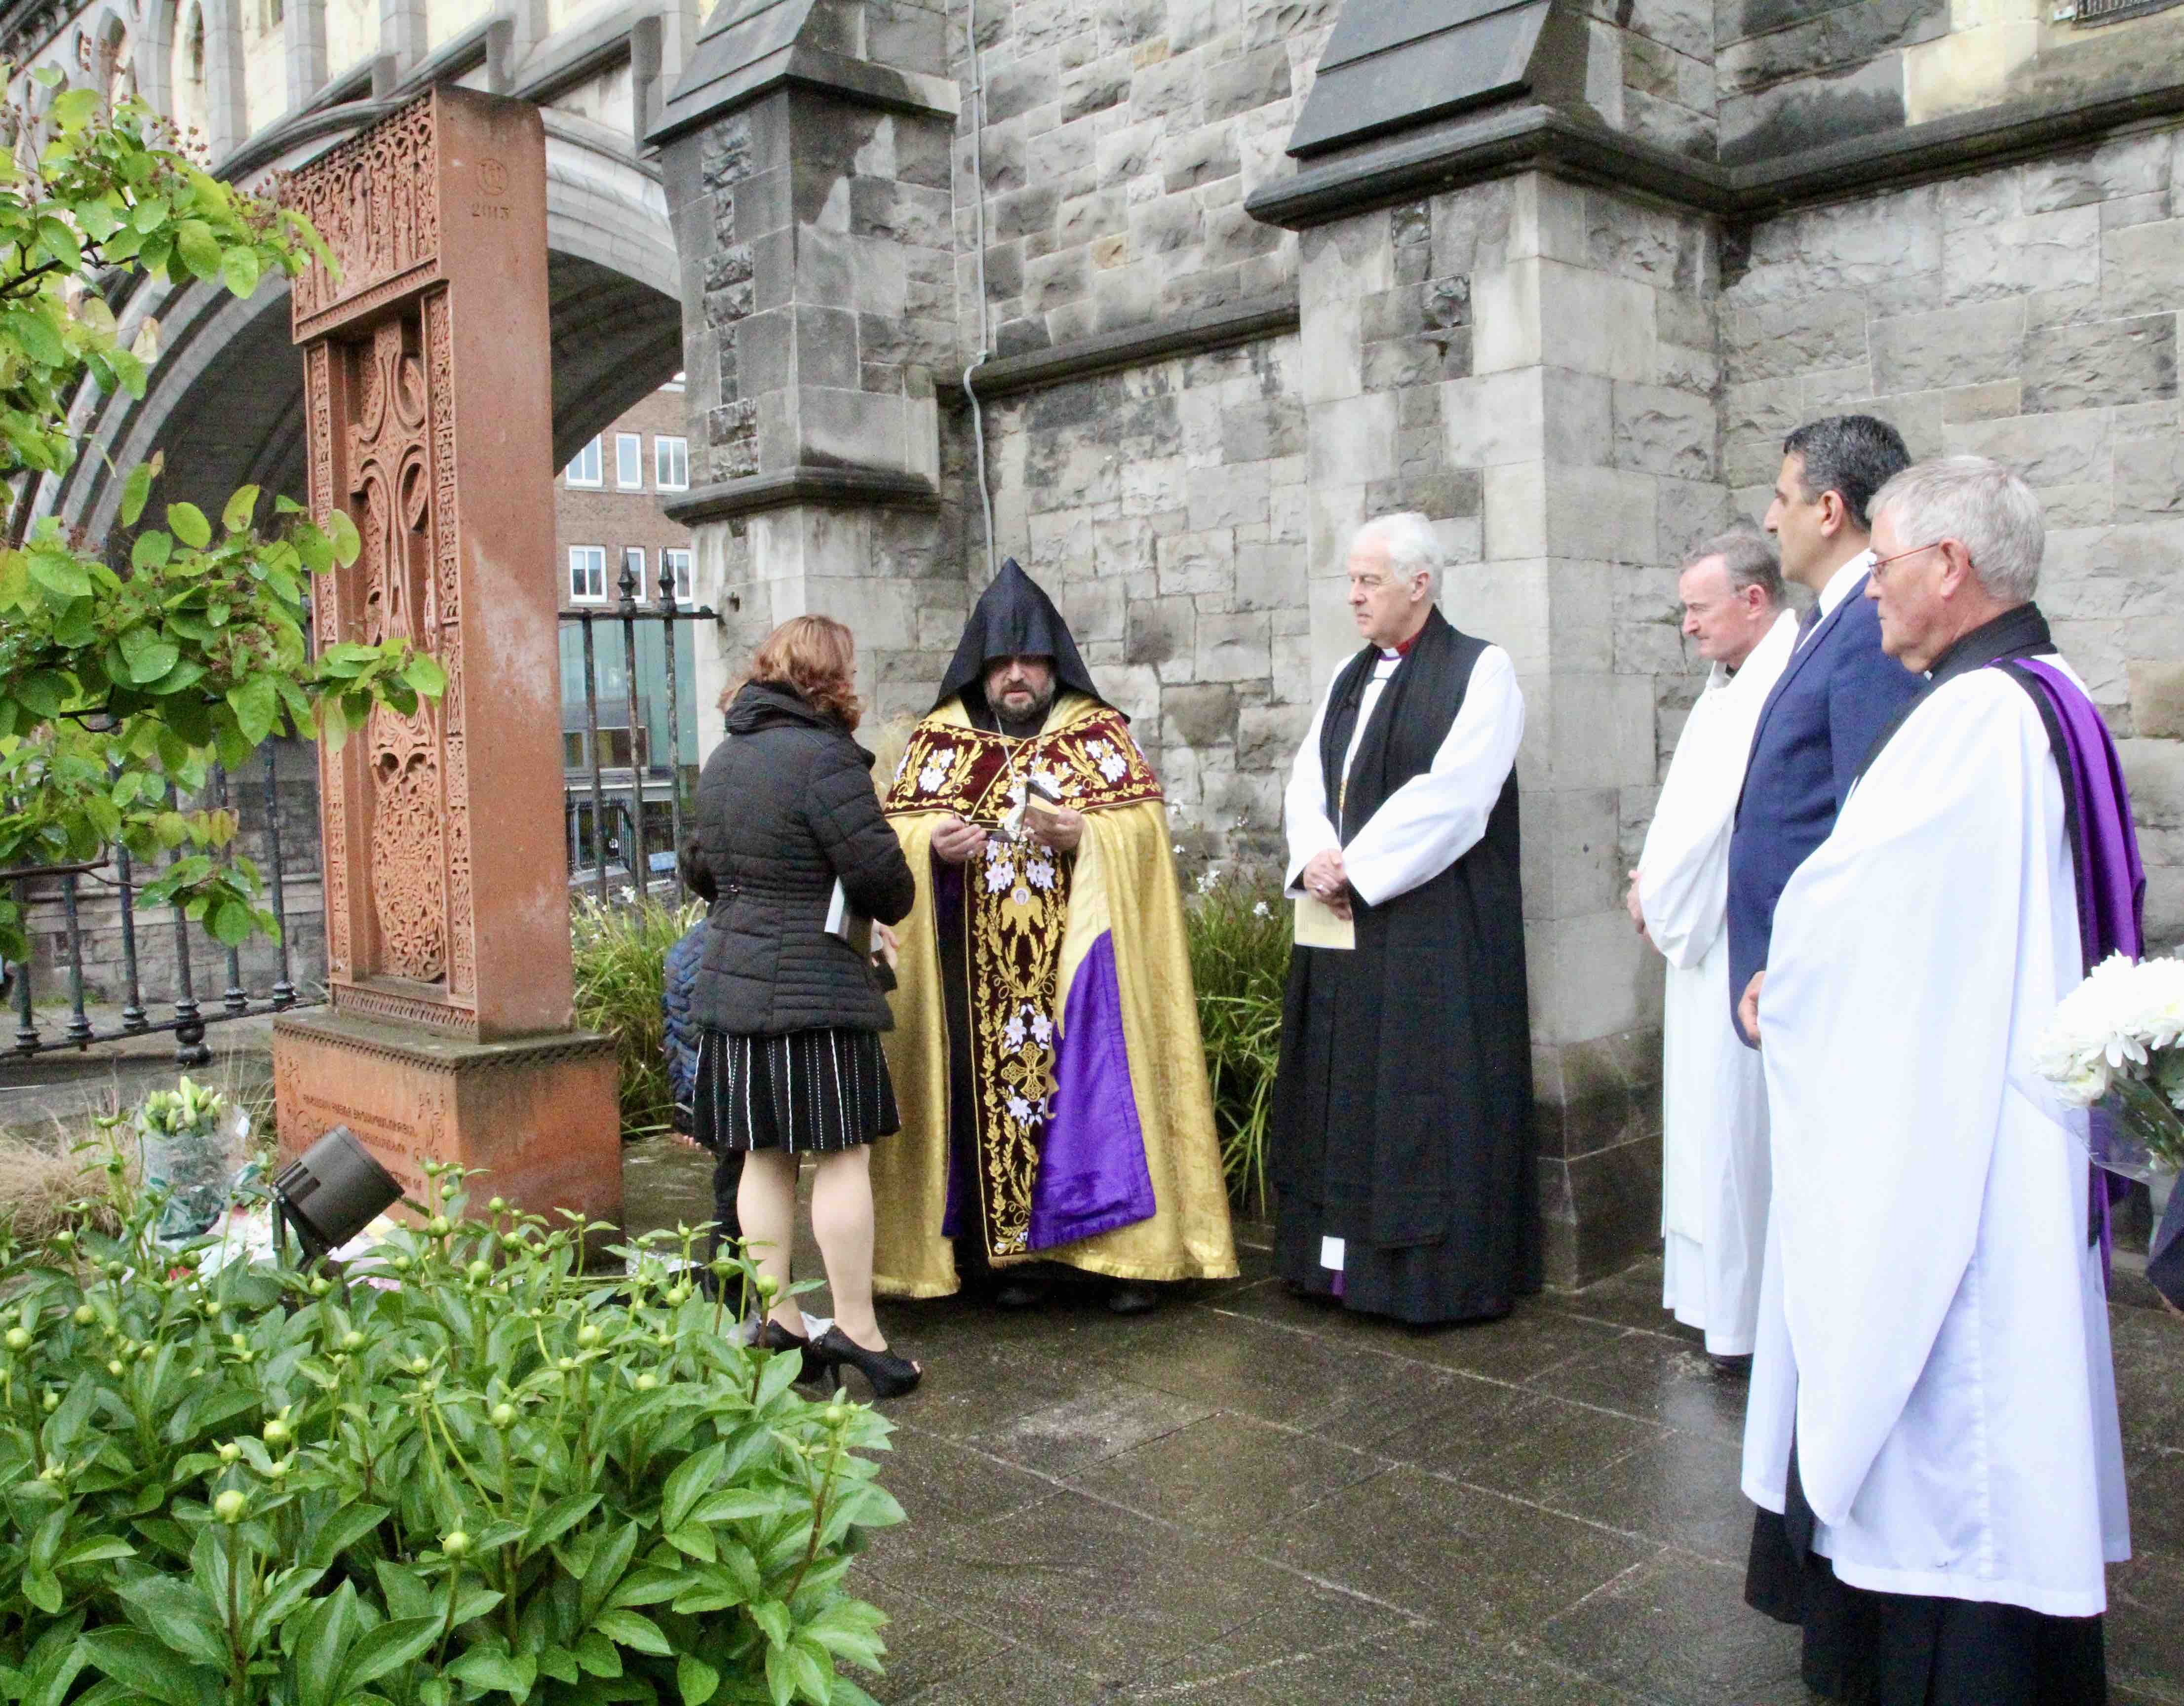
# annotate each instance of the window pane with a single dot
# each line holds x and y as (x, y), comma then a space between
(671, 463)
(677, 563)
(633, 558)
(629, 461)
(587, 573)
(584, 469)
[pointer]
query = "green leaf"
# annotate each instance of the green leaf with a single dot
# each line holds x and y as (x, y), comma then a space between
(98, 1551)
(322, 1636)
(388, 1648)
(423, 672)
(597, 1654)
(151, 656)
(239, 268)
(488, 1666)
(235, 517)
(136, 490)
(61, 572)
(694, 1477)
(610, 1558)
(152, 550)
(140, 1662)
(559, 1664)
(632, 1629)
(179, 1613)
(772, 1616)
(149, 214)
(342, 532)
(198, 247)
(563, 1515)
(189, 525)
(257, 706)
(696, 1679)
(71, 107)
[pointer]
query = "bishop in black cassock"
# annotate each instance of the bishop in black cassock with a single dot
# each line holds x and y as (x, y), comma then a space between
(1402, 1148)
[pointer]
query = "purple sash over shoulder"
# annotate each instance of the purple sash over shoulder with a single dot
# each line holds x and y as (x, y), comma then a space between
(2104, 841)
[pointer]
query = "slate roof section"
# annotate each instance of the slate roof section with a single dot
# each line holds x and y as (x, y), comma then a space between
(1390, 64)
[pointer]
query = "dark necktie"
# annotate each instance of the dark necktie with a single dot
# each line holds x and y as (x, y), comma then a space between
(1805, 622)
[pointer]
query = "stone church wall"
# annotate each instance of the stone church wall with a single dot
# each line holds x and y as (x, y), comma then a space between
(2027, 314)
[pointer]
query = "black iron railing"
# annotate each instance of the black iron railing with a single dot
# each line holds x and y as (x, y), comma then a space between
(608, 848)
(606, 822)
(116, 872)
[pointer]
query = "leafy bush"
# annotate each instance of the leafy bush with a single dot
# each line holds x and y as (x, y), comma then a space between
(479, 1475)
(129, 665)
(622, 954)
(1239, 962)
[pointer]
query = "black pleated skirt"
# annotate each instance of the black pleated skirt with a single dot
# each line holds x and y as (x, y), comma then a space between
(808, 1092)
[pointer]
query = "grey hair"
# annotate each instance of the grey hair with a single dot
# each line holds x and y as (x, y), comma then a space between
(1750, 559)
(1408, 538)
(1978, 502)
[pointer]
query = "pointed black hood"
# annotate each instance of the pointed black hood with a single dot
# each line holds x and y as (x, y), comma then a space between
(1013, 617)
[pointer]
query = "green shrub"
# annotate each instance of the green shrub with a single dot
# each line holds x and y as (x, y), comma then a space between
(492, 1477)
(621, 954)
(1240, 963)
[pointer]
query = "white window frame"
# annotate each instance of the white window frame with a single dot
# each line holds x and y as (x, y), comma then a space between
(574, 474)
(632, 557)
(592, 559)
(676, 561)
(629, 462)
(671, 471)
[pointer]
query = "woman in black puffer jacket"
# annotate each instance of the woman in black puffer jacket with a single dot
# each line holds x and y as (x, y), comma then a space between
(788, 1060)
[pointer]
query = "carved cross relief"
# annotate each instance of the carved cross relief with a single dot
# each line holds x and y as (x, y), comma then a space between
(391, 497)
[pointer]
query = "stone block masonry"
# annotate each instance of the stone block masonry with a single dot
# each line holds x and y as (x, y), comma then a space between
(2027, 314)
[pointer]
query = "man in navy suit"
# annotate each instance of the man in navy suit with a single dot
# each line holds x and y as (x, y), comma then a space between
(1839, 689)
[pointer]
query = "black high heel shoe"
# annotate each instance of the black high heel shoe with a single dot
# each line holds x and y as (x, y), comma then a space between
(777, 1338)
(891, 1375)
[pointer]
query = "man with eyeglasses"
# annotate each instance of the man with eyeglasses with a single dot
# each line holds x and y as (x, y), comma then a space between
(1402, 1145)
(1932, 1437)
(1839, 689)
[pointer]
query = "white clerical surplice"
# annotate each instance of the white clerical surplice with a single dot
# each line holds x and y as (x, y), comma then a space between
(1714, 1094)
(1932, 1316)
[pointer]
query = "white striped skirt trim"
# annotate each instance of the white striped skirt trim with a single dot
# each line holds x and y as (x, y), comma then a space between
(808, 1092)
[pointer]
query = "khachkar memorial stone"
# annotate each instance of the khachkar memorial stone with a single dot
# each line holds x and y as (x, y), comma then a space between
(427, 390)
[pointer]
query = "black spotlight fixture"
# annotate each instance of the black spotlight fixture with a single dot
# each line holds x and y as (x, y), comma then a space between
(331, 1192)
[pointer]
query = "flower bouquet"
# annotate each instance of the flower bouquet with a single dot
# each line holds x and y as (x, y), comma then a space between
(2116, 1045)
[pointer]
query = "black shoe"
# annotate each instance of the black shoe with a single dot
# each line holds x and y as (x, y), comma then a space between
(777, 1338)
(1731, 1368)
(1019, 1294)
(1132, 1300)
(891, 1375)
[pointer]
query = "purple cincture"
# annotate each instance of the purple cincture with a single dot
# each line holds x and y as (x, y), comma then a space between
(2104, 856)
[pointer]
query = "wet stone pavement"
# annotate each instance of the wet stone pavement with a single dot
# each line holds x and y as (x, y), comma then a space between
(1247, 1499)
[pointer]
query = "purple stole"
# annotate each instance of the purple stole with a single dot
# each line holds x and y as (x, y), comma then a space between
(2103, 842)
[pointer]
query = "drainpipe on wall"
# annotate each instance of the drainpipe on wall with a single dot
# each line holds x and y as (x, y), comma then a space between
(978, 226)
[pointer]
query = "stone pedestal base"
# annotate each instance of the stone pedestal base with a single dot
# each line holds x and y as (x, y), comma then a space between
(540, 1114)
(1597, 1111)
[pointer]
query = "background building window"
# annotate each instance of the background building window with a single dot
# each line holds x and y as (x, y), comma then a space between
(583, 470)
(671, 463)
(677, 563)
(629, 461)
(588, 568)
(633, 558)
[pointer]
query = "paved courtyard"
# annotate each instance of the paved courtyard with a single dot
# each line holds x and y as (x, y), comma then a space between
(1247, 1499)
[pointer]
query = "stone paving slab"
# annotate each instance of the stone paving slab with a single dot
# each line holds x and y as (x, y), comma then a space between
(1251, 1499)
(1254, 1499)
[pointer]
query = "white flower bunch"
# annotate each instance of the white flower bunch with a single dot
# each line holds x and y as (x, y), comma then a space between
(2115, 1038)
